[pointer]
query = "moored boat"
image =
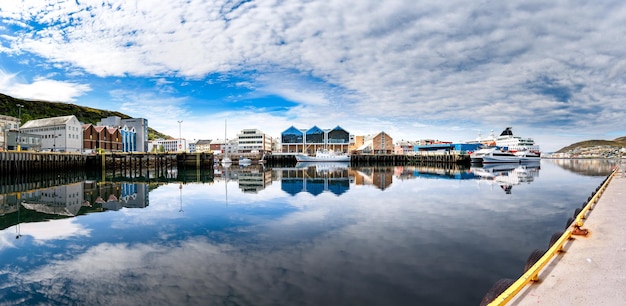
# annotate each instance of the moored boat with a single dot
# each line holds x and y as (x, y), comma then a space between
(494, 155)
(323, 156)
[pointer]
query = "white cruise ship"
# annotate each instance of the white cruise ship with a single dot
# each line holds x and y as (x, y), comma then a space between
(516, 143)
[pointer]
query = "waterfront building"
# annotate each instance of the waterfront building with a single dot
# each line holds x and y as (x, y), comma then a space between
(253, 140)
(191, 147)
(102, 138)
(203, 145)
(221, 146)
(380, 143)
(137, 125)
(169, 145)
(129, 138)
(22, 140)
(309, 141)
(58, 134)
(404, 147)
(7, 123)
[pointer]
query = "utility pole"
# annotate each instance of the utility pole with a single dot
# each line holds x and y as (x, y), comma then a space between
(180, 139)
(19, 124)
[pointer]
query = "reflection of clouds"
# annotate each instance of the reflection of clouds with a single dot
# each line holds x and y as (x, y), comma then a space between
(42, 232)
(7, 238)
(406, 245)
(53, 230)
(339, 265)
(196, 272)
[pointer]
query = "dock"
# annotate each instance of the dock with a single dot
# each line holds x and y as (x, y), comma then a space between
(19, 162)
(426, 158)
(589, 267)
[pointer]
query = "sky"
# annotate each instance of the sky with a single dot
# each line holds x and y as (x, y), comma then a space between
(449, 70)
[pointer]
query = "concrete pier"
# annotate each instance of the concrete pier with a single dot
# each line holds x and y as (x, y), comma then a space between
(591, 270)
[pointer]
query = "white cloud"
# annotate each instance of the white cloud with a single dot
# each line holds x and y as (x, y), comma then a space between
(42, 88)
(406, 61)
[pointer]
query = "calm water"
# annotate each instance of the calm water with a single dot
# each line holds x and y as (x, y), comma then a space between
(322, 235)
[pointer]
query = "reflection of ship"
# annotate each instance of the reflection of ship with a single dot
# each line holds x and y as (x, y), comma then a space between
(324, 166)
(449, 171)
(507, 175)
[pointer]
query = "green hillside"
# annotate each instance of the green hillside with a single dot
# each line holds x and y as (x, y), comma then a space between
(44, 109)
(618, 142)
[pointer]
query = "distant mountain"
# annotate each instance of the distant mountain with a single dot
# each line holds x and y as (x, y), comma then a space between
(44, 109)
(617, 142)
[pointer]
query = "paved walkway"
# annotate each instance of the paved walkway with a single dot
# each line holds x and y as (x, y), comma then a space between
(592, 270)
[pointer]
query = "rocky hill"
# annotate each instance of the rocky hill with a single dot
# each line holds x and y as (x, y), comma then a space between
(44, 109)
(617, 142)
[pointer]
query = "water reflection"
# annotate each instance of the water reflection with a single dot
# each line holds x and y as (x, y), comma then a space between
(507, 175)
(588, 167)
(305, 235)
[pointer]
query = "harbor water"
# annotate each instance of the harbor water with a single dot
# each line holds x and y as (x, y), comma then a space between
(313, 234)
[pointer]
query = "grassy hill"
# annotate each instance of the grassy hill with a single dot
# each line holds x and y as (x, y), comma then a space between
(44, 109)
(617, 142)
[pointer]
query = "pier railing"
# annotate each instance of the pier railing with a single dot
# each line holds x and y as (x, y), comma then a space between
(537, 263)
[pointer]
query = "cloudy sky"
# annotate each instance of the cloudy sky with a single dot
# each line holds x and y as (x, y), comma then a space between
(552, 70)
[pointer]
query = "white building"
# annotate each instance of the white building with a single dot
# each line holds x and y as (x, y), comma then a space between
(169, 145)
(58, 134)
(253, 140)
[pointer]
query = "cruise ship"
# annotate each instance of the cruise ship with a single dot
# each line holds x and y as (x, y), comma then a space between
(516, 143)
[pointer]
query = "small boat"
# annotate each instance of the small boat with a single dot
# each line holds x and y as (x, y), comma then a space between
(494, 155)
(323, 156)
(526, 156)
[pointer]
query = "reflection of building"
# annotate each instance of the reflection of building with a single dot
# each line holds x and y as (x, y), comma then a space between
(253, 179)
(588, 167)
(64, 200)
(316, 179)
(379, 177)
(114, 196)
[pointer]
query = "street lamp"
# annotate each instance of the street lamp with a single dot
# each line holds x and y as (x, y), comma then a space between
(179, 133)
(19, 112)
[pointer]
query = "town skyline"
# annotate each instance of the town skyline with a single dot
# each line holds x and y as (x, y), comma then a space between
(413, 69)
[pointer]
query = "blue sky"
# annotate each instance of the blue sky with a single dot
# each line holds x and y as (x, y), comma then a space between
(552, 70)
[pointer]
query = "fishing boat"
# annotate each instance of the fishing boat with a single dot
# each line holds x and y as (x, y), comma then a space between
(323, 156)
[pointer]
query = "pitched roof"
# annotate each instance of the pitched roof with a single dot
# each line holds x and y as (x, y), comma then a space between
(203, 142)
(48, 121)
